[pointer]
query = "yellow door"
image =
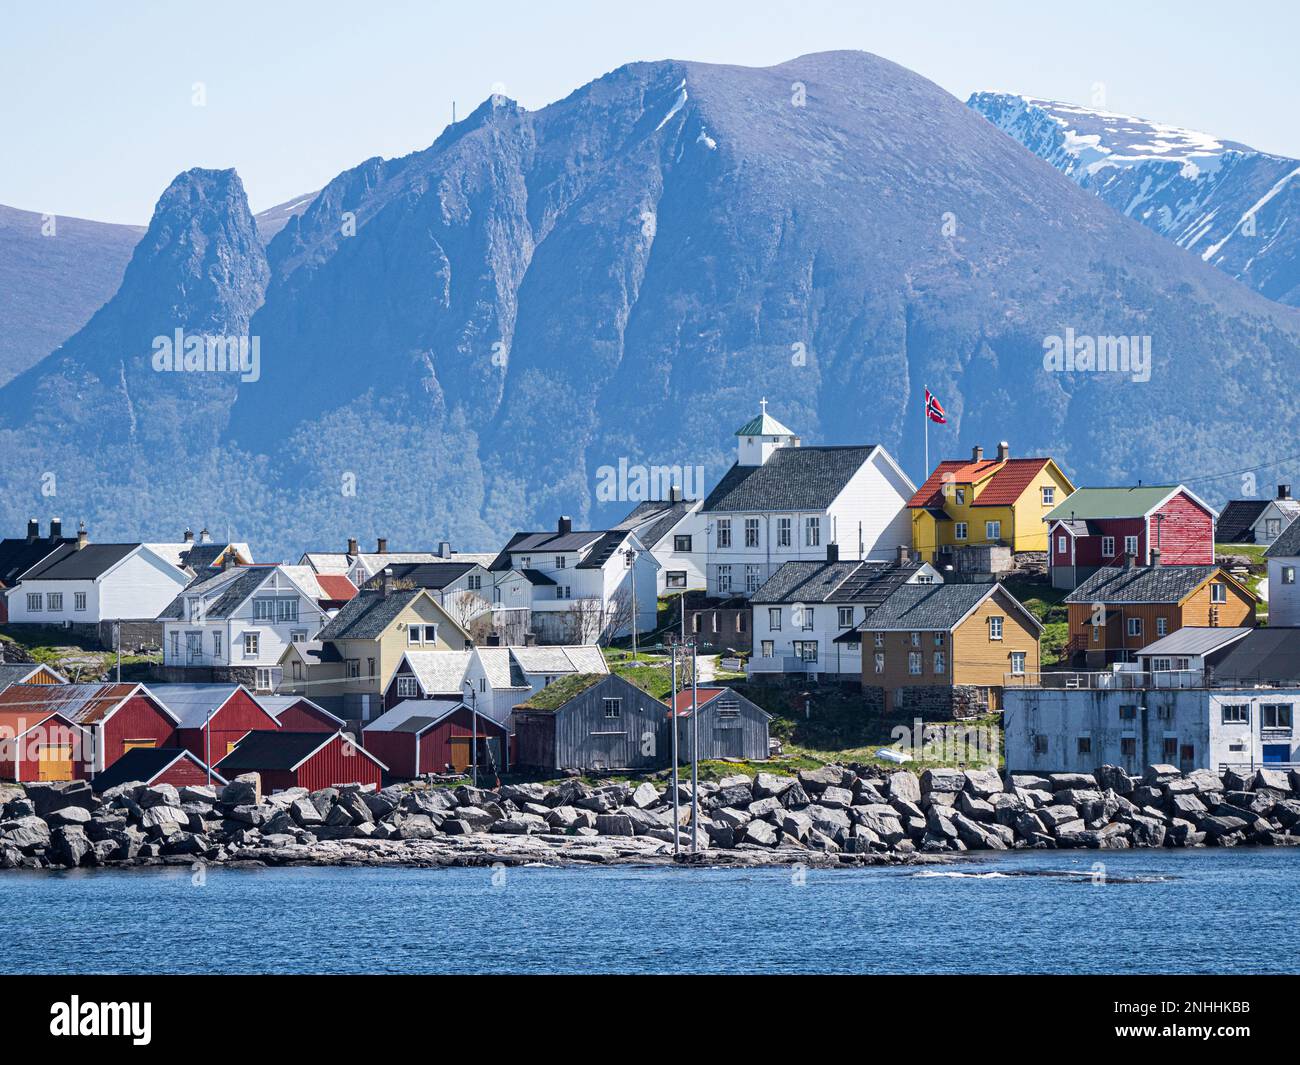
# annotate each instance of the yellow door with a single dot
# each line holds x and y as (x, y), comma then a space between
(54, 763)
(460, 759)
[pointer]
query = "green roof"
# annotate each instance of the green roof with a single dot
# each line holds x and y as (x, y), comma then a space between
(763, 425)
(1086, 503)
(560, 691)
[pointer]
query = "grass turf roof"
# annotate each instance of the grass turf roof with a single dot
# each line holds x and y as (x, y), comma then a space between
(560, 691)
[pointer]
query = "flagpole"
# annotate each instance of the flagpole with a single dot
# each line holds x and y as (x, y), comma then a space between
(925, 417)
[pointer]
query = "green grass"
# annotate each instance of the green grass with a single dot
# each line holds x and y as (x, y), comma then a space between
(74, 655)
(1047, 604)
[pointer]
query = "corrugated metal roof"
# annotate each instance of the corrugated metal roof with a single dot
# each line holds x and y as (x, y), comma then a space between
(84, 704)
(415, 715)
(143, 764)
(1133, 502)
(276, 705)
(193, 703)
(1194, 640)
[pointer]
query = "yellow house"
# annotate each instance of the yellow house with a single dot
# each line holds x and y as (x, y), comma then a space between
(348, 666)
(978, 502)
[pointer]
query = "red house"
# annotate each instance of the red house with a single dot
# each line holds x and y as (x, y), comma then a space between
(310, 760)
(213, 717)
(119, 717)
(1153, 524)
(428, 735)
(42, 746)
(297, 713)
(158, 765)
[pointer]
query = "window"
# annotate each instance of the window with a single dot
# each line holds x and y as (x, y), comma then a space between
(1040, 745)
(774, 618)
(845, 616)
(559, 562)
(370, 667)
(959, 495)
(1275, 715)
(1018, 663)
(525, 561)
(353, 668)
(1127, 713)
(1128, 746)
(768, 648)
(724, 580)
(216, 644)
(676, 578)
(1218, 592)
(995, 627)
(1162, 626)
(1096, 634)
(1107, 547)
(812, 532)
(1135, 626)
(914, 663)
(407, 688)
(938, 639)
(56, 601)
(939, 664)
(482, 684)
(252, 644)
(176, 645)
(194, 646)
(263, 680)
(993, 530)
(563, 591)
(1169, 746)
(914, 638)
(413, 634)
(808, 619)
(724, 532)
(740, 623)
(924, 578)
(1061, 546)
(34, 600)
(959, 531)
(1165, 713)
(783, 534)
(79, 600)
(682, 543)
(194, 609)
(1049, 496)
(880, 662)
(806, 650)
(1161, 665)
(1236, 713)
(1187, 753)
(879, 639)
(753, 578)
(298, 636)
(1130, 545)
(613, 709)
(1085, 744)
(1272, 528)
(474, 582)
(751, 532)
(1288, 575)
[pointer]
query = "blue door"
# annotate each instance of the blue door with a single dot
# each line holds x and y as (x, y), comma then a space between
(1276, 752)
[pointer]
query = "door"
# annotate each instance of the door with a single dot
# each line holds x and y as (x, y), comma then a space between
(460, 753)
(729, 741)
(54, 763)
(1277, 753)
(607, 750)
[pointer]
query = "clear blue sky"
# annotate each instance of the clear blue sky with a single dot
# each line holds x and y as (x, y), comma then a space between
(97, 115)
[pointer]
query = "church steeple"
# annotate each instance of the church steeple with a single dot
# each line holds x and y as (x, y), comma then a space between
(760, 436)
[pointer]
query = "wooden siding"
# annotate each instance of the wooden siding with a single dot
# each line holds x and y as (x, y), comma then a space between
(240, 715)
(581, 737)
(181, 773)
(20, 759)
(743, 736)
(398, 750)
(303, 717)
(139, 718)
(1184, 532)
(339, 762)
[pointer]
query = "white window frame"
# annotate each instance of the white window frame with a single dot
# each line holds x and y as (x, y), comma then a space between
(1107, 547)
(959, 531)
(774, 619)
(1133, 627)
(79, 601)
(1131, 545)
(845, 616)
(993, 530)
(1018, 663)
(723, 532)
(752, 532)
(995, 626)
(812, 532)
(784, 536)
(1049, 495)
(256, 639)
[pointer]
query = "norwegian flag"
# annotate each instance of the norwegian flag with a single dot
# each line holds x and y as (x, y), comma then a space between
(934, 409)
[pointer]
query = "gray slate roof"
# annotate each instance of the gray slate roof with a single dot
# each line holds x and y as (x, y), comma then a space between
(658, 518)
(1233, 526)
(16, 672)
(66, 563)
(1194, 640)
(854, 581)
(367, 614)
(1270, 655)
(1287, 545)
(793, 478)
(1141, 584)
(235, 585)
(930, 607)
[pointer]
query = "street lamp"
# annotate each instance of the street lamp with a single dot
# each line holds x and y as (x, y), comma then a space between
(629, 557)
(473, 743)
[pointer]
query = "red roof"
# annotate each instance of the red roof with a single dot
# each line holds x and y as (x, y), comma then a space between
(682, 703)
(83, 704)
(1006, 485)
(336, 587)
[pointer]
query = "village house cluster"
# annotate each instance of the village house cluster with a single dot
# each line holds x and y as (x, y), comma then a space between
(806, 564)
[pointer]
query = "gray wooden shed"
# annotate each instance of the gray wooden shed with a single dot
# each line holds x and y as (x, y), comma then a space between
(592, 721)
(731, 726)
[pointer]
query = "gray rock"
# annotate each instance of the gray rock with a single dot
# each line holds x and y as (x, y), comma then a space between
(645, 796)
(525, 824)
(1160, 774)
(615, 825)
(304, 812)
(1115, 778)
(974, 808)
(836, 798)
(947, 780)
(797, 825)
(903, 785)
(1187, 806)
(68, 845)
(69, 815)
(768, 785)
(814, 781)
(1030, 782)
(982, 783)
(1274, 781)
(164, 819)
(766, 808)
(240, 792)
(24, 833)
(198, 793)
(759, 833)
(158, 795)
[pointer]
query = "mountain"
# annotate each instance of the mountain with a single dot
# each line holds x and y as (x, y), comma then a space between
(55, 272)
(1225, 202)
(454, 343)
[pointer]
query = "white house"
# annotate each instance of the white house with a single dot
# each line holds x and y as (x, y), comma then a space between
(805, 617)
(587, 585)
(673, 530)
(81, 583)
(235, 626)
(479, 599)
(1283, 557)
(498, 679)
(1257, 521)
(782, 502)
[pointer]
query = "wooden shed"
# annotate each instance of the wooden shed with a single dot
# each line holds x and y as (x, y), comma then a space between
(213, 717)
(297, 713)
(158, 765)
(433, 735)
(592, 721)
(311, 760)
(119, 717)
(38, 746)
(731, 726)
(27, 673)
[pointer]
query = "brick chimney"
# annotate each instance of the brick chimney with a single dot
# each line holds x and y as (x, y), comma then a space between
(564, 526)
(1284, 491)
(188, 536)
(56, 528)
(977, 454)
(1004, 451)
(352, 546)
(82, 539)
(381, 545)
(832, 552)
(33, 530)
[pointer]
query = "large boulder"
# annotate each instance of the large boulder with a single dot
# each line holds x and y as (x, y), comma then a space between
(945, 780)
(815, 781)
(68, 845)
(24, 833)
(644, 796)
(759, 833)
(836, 798)
(1273, 781)
(69, 815)
(49, 796)
(903, 785)
(768, 785)
(1115, 778)
(158, 795)
(1066, 781)
(614, 825)
(982, 783)
(1155, 775)
(244, 790)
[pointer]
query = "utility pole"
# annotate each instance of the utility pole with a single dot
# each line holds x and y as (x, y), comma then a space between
(473, 744)
(117, 645)
(695, 748)
(630, 556)
(677, 820)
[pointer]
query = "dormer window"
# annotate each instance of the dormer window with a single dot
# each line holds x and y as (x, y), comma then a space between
(959, 495)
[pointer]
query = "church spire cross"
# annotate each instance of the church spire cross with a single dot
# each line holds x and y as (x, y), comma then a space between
(762, 405)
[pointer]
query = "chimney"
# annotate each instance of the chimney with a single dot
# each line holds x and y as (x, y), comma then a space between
(82, 539)
(188, 536)
(1004, 451)
(1128, 559)
(1155, 557)
(493, 640)
(56, 528)
(832, 552)
(205, 537)
(444, 549)
(386, 582)
(352, 546)
(675, 494)
(1284, 491)
(33, 530)
(229, 558)
(381, 545)
(977, 454)
(904, 554)
(564, 526)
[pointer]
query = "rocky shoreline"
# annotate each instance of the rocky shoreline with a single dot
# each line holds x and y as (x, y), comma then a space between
(825, 817)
